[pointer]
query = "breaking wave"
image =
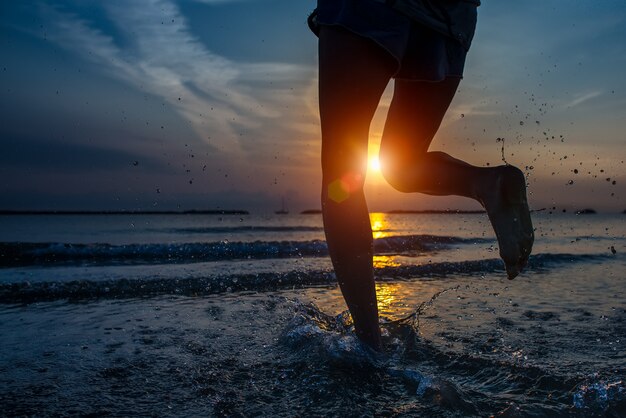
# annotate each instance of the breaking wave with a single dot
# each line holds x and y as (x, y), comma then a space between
(25, 292)
(27, 254)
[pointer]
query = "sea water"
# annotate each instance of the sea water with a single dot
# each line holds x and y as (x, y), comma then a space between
(229, 315)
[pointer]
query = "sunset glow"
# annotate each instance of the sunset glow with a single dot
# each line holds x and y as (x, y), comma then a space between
(374, 164)
(176, 104)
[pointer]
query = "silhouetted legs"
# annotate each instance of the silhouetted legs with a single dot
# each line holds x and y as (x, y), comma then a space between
(354, 72)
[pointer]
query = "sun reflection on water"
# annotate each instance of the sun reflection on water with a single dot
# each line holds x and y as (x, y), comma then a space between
(399, 299)
(380, 225)
(386, 297)
(381, 261)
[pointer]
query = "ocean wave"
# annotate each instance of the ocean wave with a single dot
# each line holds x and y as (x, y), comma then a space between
(26, 292)
(25, 254)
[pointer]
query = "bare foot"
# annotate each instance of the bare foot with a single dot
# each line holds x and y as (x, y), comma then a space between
(504, 198)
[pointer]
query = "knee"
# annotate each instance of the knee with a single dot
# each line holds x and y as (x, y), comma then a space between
(399, 169)
(396, 177)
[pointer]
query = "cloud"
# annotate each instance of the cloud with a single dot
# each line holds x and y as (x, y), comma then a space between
(163, 57)
(583, 97)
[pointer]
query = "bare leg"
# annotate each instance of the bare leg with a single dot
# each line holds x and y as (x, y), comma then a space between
(353, 75)
(414, 117)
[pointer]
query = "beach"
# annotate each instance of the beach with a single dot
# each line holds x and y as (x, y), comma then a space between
(240, 315)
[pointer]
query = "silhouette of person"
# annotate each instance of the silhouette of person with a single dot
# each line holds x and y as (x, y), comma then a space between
(422, 44)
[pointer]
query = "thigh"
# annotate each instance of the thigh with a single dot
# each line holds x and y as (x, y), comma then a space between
(354, 72)
(414, 116)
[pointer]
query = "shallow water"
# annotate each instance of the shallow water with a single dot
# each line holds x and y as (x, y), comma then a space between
(156, 336)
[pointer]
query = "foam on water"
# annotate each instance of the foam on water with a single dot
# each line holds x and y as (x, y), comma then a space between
(202, 284)
(27, 253)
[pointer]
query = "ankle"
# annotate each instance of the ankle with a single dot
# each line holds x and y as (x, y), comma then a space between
(483, 183)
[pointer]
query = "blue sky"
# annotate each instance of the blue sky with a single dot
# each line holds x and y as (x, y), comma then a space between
(165, 104)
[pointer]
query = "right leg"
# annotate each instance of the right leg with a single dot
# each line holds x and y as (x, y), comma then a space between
(414, 116)
(354, 72)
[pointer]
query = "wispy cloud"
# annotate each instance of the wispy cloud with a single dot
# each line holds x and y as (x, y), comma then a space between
(583, 97)
(166, 59)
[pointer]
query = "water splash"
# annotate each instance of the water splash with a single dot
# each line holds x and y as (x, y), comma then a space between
(599, 394)
(332, 338)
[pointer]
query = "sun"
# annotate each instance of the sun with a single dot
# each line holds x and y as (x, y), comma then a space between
(374, 164)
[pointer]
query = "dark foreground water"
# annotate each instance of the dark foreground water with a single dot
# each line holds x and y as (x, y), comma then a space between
(113, 325)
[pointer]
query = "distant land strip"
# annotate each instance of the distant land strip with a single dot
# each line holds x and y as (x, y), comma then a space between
(434, 211)
(408, 212)
(125, 212)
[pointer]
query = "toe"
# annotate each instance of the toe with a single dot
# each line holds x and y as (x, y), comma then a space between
(512, 271)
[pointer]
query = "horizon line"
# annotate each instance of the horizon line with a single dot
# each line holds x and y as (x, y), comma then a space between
(247, 212)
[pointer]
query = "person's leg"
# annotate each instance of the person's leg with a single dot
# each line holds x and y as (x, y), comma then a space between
(353, 74)
(414, 117)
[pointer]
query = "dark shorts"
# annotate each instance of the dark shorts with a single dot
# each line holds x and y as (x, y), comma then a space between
(421, 53)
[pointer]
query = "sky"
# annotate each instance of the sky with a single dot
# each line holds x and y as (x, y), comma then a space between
(212, 104)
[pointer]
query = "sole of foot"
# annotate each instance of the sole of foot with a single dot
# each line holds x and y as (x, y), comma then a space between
(506, 204)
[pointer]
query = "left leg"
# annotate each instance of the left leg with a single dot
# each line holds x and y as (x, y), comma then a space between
(354, 72)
